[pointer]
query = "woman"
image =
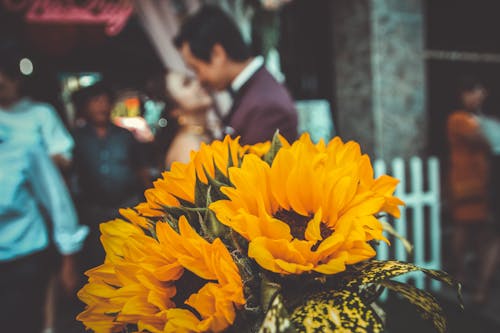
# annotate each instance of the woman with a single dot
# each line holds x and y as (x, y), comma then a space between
(468, 176)
(184, 119)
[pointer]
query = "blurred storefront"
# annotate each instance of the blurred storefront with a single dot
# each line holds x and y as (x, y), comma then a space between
(73, 44)
(385, 69)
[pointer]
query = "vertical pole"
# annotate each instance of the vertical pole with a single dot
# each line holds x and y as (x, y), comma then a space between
(416, 174)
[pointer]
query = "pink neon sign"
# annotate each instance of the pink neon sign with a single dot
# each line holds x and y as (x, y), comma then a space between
(113, 14)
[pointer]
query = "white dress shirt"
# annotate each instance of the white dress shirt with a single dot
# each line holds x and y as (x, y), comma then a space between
(247, 73)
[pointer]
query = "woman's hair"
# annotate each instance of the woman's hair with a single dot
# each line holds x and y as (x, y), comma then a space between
(469, 83)
(156, 88)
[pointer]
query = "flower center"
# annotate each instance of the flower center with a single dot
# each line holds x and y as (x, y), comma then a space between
(298, 223)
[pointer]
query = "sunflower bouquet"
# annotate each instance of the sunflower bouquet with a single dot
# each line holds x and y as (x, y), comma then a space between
(273, 237)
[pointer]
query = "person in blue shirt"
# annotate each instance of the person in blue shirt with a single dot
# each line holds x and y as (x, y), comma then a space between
(28, 119)
(109, 166)
(32, 188)
(31, 117)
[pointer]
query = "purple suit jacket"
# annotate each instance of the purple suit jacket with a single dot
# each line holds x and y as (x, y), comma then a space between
(261, 106)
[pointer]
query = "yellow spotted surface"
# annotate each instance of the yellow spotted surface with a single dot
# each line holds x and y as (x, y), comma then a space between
(335, 311)
(374, 271)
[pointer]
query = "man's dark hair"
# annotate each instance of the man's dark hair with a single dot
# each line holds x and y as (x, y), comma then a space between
(81, 97)
(207, 27)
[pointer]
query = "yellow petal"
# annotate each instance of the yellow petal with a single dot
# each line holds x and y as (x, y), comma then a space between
(313, 230)
(334, 265)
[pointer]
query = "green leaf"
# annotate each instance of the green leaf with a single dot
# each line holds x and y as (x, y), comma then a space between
(184, 203)
(276, 145)
(444, 277)
(191, 213)
(238, 242)
(336, 311)
(175, 212)
(277, 318)
(375, 271)
(268, 292)
(215, 186)
(200, 192)
(251, 279)
(425, 302)
(247, 320)
(151, 231)
(205, 229)
(441, 276)
(215, 228)
(219, 175)
(370, 292)
(229, 156)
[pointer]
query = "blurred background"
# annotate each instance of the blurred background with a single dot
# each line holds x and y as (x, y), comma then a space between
(385, 73)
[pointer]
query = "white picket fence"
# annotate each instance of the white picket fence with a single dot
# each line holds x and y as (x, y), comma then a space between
(420, 218)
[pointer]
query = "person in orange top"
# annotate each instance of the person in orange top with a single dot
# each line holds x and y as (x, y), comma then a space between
(468, 173)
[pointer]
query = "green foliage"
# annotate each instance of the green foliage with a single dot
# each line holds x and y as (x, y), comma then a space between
(275, 147)
(346, 303)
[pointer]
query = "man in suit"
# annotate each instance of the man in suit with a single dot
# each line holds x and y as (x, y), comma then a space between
(211, 44)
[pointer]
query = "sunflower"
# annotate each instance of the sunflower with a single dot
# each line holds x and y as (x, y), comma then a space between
(212, 307)
(177, 282)
(134, 285)
(313, 209)
(177, 185)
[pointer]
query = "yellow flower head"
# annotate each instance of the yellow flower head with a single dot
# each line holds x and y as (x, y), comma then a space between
(311, 210)
(180, 181)
(133, 286)
(214, 303)
(149, 282)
